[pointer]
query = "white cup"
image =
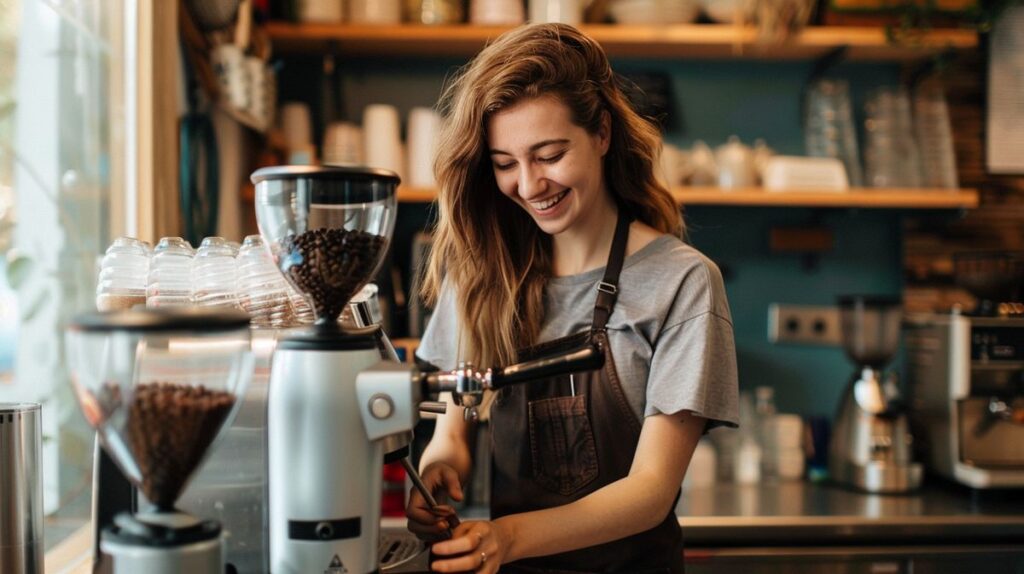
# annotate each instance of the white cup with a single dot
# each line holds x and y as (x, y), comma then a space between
(327, 11)
(375, 11)
(229, 65)
(424, 124)
(382, 137)
(259, 79)
(786, 431)
(296, 125)
(343, 144)
(564, 11)
(496, 12)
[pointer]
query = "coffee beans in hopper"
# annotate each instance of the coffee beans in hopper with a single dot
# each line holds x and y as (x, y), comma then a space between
(330, 264)
(170, 427)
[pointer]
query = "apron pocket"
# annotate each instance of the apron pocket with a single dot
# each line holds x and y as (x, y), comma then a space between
(562, 444)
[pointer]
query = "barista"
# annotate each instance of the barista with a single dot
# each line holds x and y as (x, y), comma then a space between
(554, 232)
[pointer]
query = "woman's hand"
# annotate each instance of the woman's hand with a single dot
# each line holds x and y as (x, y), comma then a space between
(476, 546)
(443, 482)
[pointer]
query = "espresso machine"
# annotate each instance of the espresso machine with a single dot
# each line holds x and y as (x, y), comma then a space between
(339, 405)
(966, 375)
(871, 445)
(158, 386)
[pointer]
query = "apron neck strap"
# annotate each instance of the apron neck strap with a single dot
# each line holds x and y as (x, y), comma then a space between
(608, 288)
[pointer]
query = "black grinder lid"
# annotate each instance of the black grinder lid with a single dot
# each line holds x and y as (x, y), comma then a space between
(163, 319)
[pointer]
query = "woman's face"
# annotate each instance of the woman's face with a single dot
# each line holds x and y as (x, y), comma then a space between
(547, 164)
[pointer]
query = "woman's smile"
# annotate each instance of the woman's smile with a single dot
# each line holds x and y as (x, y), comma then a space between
(546, 206)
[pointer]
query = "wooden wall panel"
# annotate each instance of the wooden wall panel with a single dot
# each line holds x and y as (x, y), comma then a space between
(930, 241)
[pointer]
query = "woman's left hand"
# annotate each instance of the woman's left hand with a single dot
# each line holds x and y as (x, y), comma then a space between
(475, 546)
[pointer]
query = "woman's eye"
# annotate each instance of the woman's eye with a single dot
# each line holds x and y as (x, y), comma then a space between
(504, 166)
(553, 158)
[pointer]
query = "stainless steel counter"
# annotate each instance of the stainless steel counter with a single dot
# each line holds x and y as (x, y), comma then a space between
(795, 513)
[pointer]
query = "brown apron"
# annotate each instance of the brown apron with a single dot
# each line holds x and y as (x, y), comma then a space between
(558, 439)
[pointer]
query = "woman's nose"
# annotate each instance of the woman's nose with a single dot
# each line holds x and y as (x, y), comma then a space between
(531, 183)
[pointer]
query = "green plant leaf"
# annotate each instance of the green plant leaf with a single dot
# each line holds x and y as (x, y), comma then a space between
(7, 108)
(19, 269)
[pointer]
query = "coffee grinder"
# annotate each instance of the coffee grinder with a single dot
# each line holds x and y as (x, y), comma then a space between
(339, 403)
(871, 445)
(328, 229)
(158, 386)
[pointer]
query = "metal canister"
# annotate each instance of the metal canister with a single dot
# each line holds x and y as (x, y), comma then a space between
(21, 488)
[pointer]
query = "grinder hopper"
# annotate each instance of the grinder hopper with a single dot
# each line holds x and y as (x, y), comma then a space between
(328, 228)
(158, 386)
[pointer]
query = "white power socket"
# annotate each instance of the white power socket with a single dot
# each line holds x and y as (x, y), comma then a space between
(804, 324)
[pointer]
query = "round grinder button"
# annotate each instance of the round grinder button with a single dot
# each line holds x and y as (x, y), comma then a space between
(381, 406)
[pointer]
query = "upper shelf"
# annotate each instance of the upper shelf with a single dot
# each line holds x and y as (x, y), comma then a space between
(751, 197)
(669, 41)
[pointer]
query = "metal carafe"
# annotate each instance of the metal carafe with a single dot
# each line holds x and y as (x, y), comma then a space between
(21, 488)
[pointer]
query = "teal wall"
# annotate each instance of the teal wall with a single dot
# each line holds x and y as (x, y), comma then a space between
(712, 101)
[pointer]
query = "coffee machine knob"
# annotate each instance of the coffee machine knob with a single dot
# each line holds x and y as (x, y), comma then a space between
(381, 406)
(324, 531)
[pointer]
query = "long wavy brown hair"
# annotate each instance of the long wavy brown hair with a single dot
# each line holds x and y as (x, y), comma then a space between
(487, 248)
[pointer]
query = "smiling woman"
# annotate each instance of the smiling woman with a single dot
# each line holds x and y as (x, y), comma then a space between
(554, 233)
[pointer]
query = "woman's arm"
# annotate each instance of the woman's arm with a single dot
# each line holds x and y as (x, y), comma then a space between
(636, 503)
(444, 467)
(450, 443)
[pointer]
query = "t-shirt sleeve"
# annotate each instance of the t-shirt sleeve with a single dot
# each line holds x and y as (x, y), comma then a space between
(440, 341)
(694, 369)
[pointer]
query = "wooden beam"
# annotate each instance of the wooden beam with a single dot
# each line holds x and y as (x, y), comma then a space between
(158, 211)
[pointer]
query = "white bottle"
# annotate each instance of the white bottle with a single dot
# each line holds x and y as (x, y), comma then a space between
(747, 466)
(701, 471)
(764, 409)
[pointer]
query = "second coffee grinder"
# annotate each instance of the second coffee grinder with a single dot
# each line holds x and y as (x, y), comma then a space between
(871, 445)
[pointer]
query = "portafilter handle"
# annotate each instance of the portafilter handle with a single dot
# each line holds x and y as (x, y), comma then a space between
(467, 384)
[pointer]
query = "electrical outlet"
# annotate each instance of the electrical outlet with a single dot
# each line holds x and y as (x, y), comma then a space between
(804, 325)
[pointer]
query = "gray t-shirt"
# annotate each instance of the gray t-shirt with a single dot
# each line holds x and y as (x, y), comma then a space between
(670, 333)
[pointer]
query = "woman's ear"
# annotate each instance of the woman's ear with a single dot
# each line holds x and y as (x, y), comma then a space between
(604, 132)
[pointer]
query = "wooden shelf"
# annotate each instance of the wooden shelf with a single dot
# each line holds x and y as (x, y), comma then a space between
(669, 41)
(751, 197)
(868, 198)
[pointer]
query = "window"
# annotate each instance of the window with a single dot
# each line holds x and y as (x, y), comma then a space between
(64, 84)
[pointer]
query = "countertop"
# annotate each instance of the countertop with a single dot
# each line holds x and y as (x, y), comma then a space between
(784, 514)
(802, 513)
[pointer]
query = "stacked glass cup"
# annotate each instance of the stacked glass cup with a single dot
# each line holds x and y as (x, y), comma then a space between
(124, 272)
(262, 290)
(213, 274)
(170, 272)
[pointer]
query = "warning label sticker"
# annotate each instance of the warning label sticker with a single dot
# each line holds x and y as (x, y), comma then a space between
(336, 567)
